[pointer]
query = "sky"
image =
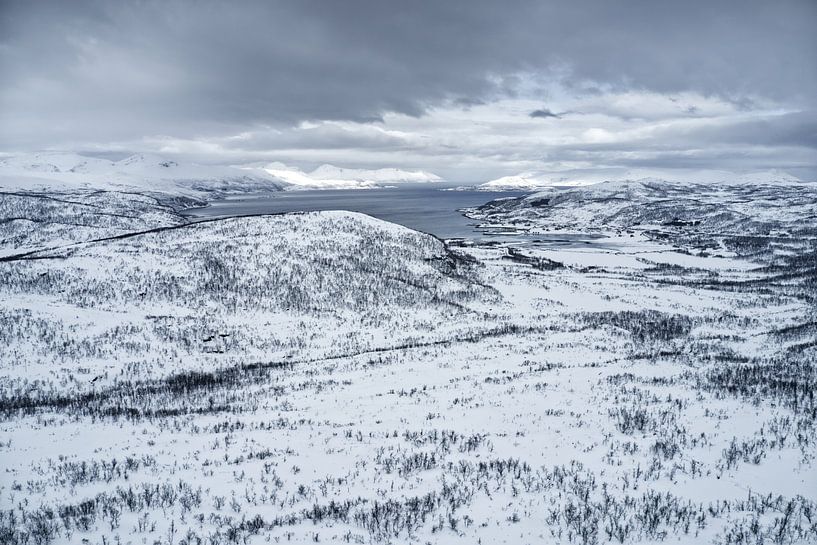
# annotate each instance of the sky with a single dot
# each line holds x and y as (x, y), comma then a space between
(470, 90)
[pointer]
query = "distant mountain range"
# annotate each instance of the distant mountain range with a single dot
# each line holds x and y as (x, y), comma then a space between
(147, 172)
(140, 172)
(534, 180)
(741, 207)
(333, 177)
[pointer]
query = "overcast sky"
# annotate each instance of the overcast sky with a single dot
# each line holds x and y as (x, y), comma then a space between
(468, 89)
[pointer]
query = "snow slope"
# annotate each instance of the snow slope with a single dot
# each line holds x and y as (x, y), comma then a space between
(331, 378)
(533, 180)
(141, 172)
(147, 172)
(332, 177)
(35, 221)
(662, 209)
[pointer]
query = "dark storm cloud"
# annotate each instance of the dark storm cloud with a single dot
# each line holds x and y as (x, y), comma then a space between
(85, 70)
(544, 113)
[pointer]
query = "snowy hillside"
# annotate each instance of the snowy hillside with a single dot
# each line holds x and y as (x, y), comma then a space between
(332, 177)
(697, 213)
(535, 180)
(141, 172)
(328, 377)
(528, 181)
(33, 221)
(381, 175)
(60, 171)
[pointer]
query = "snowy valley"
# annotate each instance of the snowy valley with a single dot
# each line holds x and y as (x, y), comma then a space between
(388, 273)
(331, 377)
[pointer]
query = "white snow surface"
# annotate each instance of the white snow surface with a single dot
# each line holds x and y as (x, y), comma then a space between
(532, 180)
(328, 377)
(61, 171)
(333, 177)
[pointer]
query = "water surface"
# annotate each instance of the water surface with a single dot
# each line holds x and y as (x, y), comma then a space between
(430, 209)
(433, 209)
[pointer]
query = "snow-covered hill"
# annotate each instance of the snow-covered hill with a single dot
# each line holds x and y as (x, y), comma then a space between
(333, 177)
(530, 181)
(381, 175)
(533, 180)
(63, 171)
(742, 207)
(328, 377)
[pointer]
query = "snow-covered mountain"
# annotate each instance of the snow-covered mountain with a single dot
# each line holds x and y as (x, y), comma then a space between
(529, 181)
(381, 175)
(740, 207)
(533, 180)
(148, 172)
(140, 172)
(333, 177)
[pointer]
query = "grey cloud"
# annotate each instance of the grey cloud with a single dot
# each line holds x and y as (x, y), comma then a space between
(468, 102)
(784, 141)
(544, 113)
(793, 129)
(98, 71)
(733, 159)
(788, 130)
(322, 137)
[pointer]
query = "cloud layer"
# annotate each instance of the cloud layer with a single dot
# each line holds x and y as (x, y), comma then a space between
(373, 79)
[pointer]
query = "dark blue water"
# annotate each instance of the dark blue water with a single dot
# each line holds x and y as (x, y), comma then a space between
(425, 208)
